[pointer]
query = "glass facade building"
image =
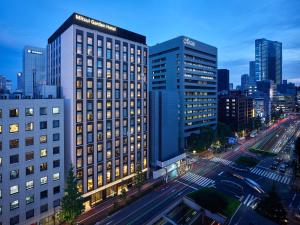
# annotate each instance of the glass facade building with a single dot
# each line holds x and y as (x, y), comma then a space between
(268, 60)
(101, 72)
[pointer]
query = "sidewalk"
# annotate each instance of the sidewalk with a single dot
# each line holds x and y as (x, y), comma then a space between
(103, 210)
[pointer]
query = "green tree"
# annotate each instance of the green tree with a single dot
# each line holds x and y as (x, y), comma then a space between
(123, 194)
(272, 207)
(257, 122)
(223, 131)
(72, 202)
(139, 178)
(203, 140)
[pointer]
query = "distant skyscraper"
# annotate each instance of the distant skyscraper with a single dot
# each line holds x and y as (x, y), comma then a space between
(245, 82)
(252, 73)
(268, 60)
(230, 86)
(223, 80)
(34, 70)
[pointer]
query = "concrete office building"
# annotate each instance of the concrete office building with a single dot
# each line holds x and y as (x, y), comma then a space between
(34, 71)
(236, 110)
(101, 72)
(188, 67)
(31, 160)
(223, 80)
(268, 60)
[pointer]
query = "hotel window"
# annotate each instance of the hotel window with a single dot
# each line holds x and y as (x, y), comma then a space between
(14, 174)
(79, 94)
(117, 50)
(29, 199)
(55, 110)
(79, 48)
(89, 72)
(14, 128)
(79, 71)
(29, 156)
(56, 163)
(0, 129)
(89, 94)
(43, 139)
(29, 185)
(79, 117)
(79, 61)
(90, 50)
(79, 38)
(29, 111)
(99, 180)
(43, 111)
(14, 189)
(13, 112)
(56, 176)
(0, 113)
(108, 50)
(90, 184)
(14, 205)
(29, 170)
(44, 180)
(125, 50)
(29, 126)
(43, 152)
(29, 141)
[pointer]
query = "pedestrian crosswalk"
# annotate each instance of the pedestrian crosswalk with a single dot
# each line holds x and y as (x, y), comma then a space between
(250, 200)
(285, 179)
(192, 178)
(220, 160)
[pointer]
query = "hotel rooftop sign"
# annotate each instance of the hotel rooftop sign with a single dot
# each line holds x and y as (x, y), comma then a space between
(90, 23)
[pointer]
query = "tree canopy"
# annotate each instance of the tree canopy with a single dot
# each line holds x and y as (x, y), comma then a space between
(72, 202)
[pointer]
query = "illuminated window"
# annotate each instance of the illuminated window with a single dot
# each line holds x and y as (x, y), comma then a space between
(44, 180)
(56, 176)
(43, 139)
(14, 205)
(29, 126)
(55, 110)
(90, 183)
(14, 189)
(0, 129)
(29, 170)
(29, 199)
(43, 152)
(14, 128)
(13, 112)
(29, 184)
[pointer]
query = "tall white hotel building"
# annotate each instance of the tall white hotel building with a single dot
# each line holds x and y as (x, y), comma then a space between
(101, 72)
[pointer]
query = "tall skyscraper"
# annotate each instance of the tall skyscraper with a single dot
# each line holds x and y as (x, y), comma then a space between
(252, 79)
(223, 80)
(188, 67)
(34, 70)
(101, 72)
(268, 60)
(245, 82)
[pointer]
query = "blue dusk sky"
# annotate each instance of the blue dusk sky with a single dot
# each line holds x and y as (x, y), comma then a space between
(230, 25)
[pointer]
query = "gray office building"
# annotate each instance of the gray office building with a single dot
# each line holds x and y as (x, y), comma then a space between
(268, 60)
(185, 69)
(34, 70)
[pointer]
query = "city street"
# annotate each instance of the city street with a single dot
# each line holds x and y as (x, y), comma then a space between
(215, 172)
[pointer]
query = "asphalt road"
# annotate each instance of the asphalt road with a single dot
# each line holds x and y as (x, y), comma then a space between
(152, 204)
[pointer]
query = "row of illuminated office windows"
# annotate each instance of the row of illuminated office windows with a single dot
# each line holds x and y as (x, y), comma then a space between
(29, 213)
(15, 112)
(15, 143)
(29, 126)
